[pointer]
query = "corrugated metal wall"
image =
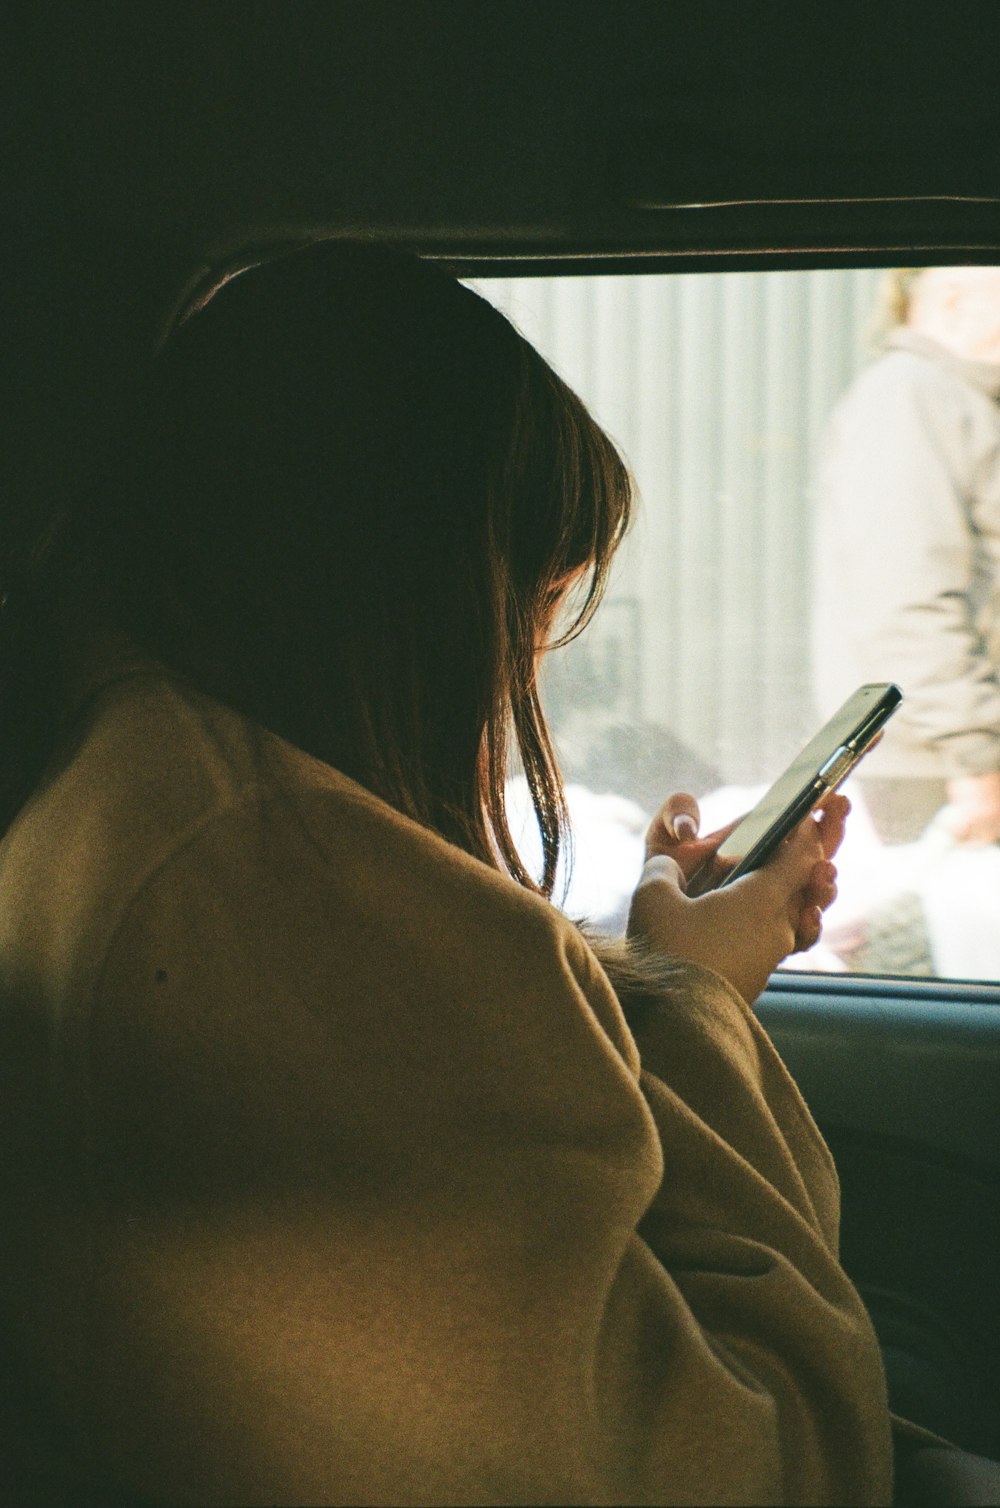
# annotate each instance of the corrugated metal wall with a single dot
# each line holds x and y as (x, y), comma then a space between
(717, 388)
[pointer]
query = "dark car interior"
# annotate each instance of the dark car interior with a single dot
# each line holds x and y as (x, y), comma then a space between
(144, 145)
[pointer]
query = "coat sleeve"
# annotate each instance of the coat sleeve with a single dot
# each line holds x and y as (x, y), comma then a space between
(382, 1208)
(745, 1223)
(901, 546)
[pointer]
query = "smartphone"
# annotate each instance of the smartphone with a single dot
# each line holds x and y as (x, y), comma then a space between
(824, 763)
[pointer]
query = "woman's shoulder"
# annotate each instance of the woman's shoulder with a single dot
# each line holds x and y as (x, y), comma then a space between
(139, 770)
(161, 791)
(226, 888)
(141, 760)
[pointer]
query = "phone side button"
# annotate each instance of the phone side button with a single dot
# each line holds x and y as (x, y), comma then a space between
(837, 766)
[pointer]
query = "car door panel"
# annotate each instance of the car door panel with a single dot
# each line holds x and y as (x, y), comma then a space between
(903, 1079)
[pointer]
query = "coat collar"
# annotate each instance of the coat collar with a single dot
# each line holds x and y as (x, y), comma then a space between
(101, 659)
(984, 375)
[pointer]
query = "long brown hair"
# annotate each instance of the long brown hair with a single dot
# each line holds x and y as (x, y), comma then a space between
(347, 500)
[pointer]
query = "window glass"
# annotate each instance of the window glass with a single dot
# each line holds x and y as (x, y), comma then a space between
(806, 523)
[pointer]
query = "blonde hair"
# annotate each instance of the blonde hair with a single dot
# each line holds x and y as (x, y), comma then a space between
(892, 305)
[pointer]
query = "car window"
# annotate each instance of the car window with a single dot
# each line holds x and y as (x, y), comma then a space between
(751, 407)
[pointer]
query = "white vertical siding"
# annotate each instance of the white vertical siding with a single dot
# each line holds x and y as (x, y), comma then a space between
(717, 387)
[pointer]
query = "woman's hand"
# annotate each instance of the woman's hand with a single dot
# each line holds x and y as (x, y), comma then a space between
(745, 930)
(975, 808)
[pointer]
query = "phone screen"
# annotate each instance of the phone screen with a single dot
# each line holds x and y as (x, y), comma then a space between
(844, 739)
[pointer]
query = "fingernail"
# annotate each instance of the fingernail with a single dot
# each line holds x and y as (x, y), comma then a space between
(685, 827)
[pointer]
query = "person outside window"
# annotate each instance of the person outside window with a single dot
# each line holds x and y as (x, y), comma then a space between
(908, 553)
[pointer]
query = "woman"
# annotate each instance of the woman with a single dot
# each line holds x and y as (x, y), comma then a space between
(336, 1173)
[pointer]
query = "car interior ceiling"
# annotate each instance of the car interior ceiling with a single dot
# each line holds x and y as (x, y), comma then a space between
(561, 138)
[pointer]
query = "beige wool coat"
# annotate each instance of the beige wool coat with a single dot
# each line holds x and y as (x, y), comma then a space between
(332, 1172)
